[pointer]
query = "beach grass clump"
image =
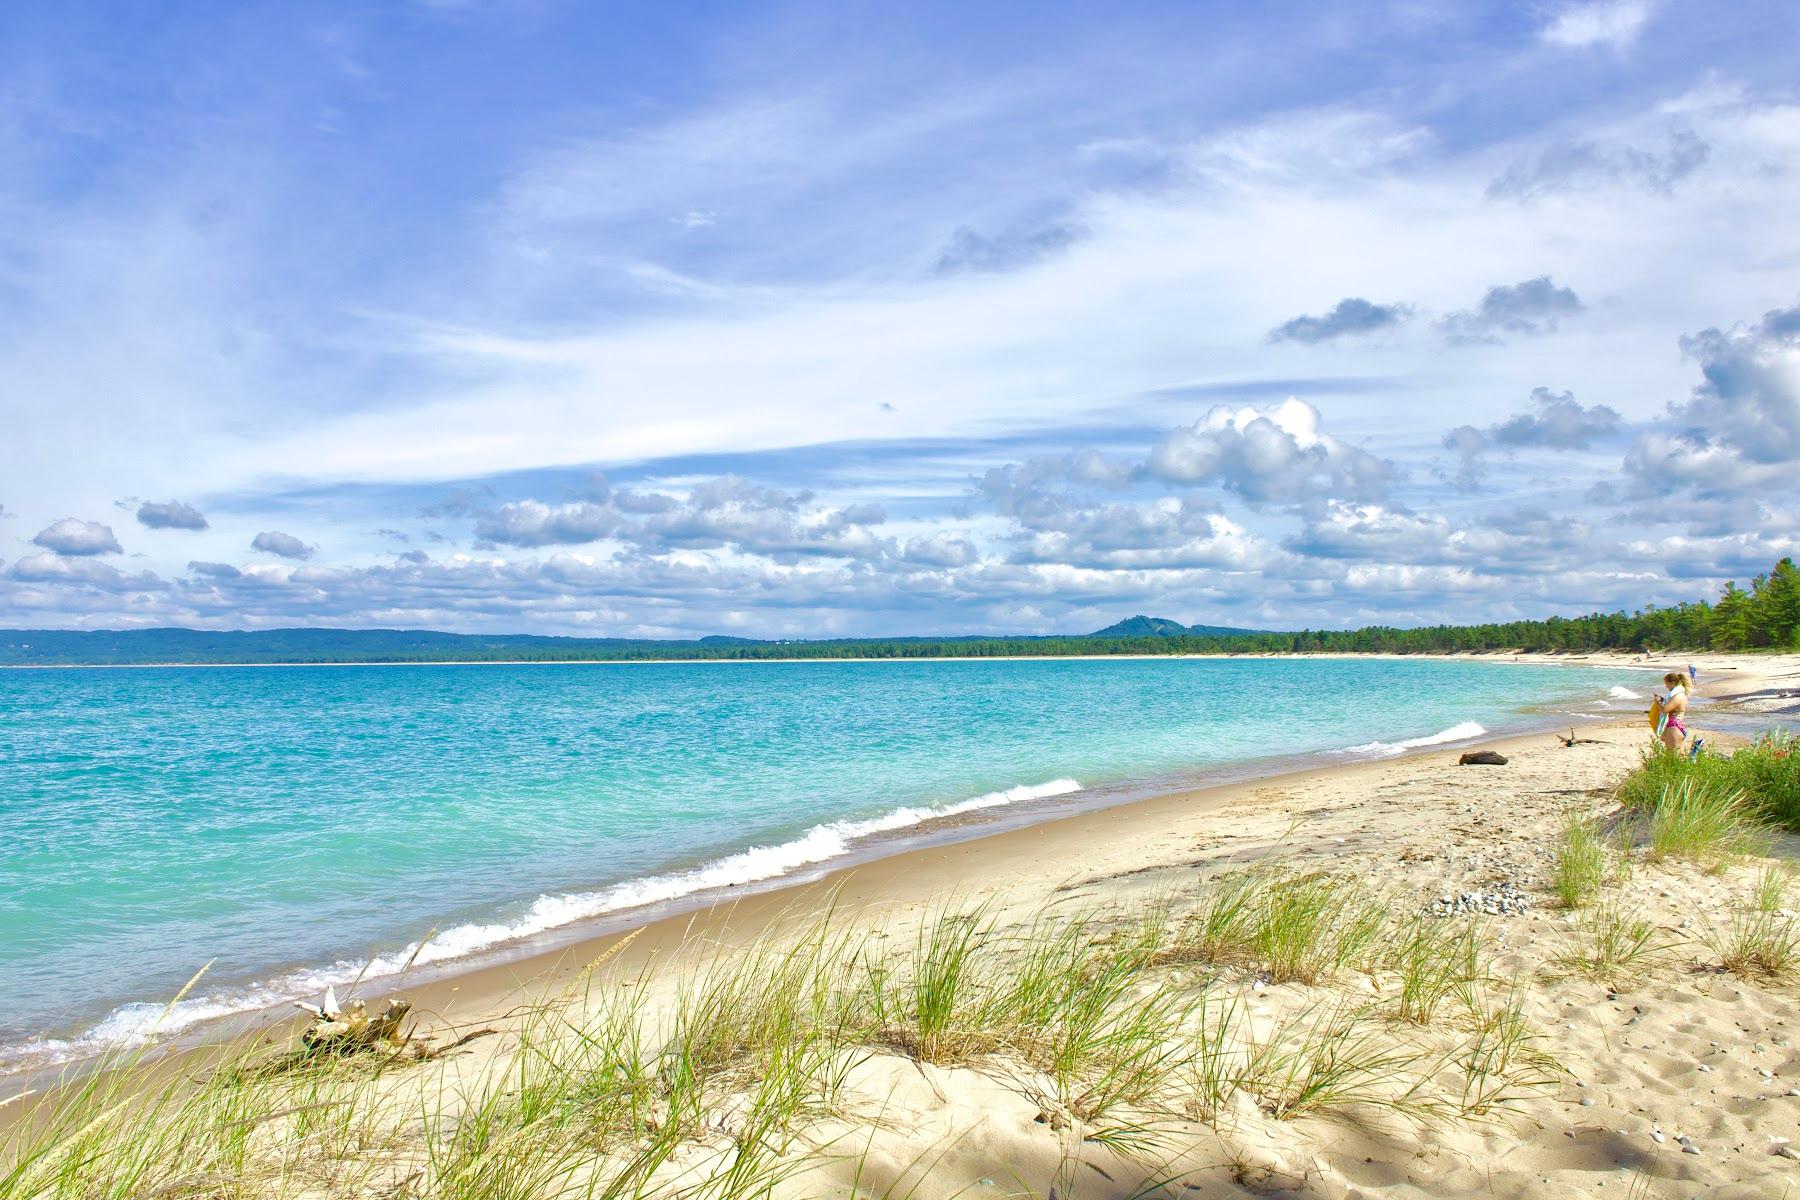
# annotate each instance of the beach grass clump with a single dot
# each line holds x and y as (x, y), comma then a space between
(1335, 1057)
(1766, 772)
(1506, 1060)
(1705, 824)
(1769, 894)
(1759, 945)
(1579, 867)
(931, 1006)
(1660, 769)
(1611, 946)
(1286, 925)
(1435, 960)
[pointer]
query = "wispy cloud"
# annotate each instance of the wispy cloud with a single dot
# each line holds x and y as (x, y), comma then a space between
(1611, 23)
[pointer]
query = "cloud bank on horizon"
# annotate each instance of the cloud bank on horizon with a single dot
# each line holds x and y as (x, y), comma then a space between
(811, 320)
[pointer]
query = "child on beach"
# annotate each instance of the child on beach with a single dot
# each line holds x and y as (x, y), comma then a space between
(1674, 707)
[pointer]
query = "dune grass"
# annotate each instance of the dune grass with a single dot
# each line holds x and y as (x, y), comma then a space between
(714, 1079)
(1435, 960)
(1770, 892)
(1759, 945)
(1579, 866)
(1285, 925)
(1611, 946)
(1703, 823)
(1766, 773)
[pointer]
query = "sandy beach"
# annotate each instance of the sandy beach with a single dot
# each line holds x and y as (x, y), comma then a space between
(1672, 1077)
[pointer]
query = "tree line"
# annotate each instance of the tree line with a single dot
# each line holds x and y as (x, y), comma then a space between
(1764, 616)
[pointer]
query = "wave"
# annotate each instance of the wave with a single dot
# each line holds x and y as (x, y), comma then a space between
(1623, 693)
(1460, 732)
(137, 1024)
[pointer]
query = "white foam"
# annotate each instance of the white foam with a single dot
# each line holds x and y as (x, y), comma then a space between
(1623, 693)
(137, 1024)
(1460, 732)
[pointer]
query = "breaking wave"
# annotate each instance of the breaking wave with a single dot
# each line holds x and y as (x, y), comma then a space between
(1460, 732)
(136, 1024)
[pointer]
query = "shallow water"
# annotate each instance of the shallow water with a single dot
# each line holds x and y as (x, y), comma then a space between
(288, 823)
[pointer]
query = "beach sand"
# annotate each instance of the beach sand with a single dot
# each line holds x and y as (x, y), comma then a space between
(1677, 1049)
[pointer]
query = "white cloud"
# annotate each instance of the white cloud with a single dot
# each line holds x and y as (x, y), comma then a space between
(285, 545)
(1279, 455)
(77, 538)
(1611, 23)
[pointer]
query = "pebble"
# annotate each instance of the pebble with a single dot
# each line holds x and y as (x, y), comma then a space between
(1788, 1152)
(1503, 899)
(1587, 1102)
(1656, 1135)
(1690, 1148)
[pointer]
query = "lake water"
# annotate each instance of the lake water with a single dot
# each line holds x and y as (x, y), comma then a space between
(291, 824)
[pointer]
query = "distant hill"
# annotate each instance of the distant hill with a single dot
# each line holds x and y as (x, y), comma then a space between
(1142, 626)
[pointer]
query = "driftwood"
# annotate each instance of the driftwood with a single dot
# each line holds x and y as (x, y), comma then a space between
(1572, 740)
(1482, 758)
(337, 1032)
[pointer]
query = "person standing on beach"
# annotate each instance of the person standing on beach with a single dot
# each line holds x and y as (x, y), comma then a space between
(1674, 722)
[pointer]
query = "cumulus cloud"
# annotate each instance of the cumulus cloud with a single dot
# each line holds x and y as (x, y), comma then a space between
(1280, 455)
(1570, 165)
(214, 570)
(85, 572)
(1740, 427)
(170, 514)
(1371, 531)
(1352, 315)
(732, 512)
(971, 252)
(1500, 544)
(1169, 533)
(78, 538)
(533, 523)
(1532, 307)
(1559, 423)
(1467, 443)
(941, 549)
(284, 545)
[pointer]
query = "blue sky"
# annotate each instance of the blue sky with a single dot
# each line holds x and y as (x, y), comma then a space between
(822, 319)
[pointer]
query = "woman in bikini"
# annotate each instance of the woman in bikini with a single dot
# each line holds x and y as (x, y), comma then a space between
(1674, 728)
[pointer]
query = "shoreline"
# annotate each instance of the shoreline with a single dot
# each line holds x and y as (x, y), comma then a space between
(936, 848)
(1538, 657)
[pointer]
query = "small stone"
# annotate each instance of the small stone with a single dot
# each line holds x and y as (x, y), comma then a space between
(1690, 1148)
(1587, 1102)
(1656, 1135)
(1788, 1152)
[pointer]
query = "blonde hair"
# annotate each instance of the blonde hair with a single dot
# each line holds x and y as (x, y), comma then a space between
(1675, 679)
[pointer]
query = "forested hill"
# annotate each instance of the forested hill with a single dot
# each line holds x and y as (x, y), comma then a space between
(1766, 616)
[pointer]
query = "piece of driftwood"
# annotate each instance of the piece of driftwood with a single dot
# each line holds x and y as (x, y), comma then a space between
(338, 1032)
(1482, 758)
(1572, 740)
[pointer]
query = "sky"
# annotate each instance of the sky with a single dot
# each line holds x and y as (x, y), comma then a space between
(826, 319)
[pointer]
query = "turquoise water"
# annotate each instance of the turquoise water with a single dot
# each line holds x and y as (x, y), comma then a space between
(288, 823)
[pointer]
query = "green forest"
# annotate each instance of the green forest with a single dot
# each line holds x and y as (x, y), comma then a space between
(1765, 616)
